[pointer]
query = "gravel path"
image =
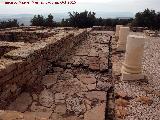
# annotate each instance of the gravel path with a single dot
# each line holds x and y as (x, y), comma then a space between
(140, 100)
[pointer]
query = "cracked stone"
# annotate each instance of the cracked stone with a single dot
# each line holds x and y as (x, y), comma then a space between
(35, 107)
(65, 76)
(59, 98)
(49, 80)
(86, 79)
(96, 113)
(56, 116)
(93, 53)
(21, 103)
(96, 95)
(61, 109)
(91, 86)
(37, 115)
(75, 105)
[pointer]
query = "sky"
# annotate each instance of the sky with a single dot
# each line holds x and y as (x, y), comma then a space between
(132, 6)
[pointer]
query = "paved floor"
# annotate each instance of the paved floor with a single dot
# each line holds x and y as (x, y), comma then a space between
(75, 88)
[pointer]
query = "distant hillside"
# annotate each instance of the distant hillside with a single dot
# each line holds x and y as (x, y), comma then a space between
(25, 18)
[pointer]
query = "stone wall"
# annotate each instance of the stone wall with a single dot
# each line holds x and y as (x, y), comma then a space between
(103, 28)
(24, 66)
(25, 36)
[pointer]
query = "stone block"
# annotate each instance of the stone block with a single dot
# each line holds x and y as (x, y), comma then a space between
(132, 77)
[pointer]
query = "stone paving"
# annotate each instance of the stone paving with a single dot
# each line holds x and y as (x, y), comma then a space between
(75, 87)
(139, 100)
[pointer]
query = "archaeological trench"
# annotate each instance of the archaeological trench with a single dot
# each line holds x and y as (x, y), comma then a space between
(79, 74)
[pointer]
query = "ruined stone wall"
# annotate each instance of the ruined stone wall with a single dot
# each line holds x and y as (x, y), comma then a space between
(22, 67)
(103, 28)
(24, 36)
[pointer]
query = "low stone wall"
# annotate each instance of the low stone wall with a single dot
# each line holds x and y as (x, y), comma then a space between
(103, 28)
(22, 67)
(25, 36)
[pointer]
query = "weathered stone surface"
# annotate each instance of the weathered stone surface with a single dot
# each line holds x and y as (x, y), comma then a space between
(74, 104)
(35, 97)
(121, 102)
(96, 113)
(96, 95)
(91, 86)
(87, 79)
(56, 116)
(46, 98)
(57, 69)
(21, 103)
(94, 63)
(60, 109)
(144, 100)
(103, 85)
(35, 107)
(49, 80)
(13, 115)
(37, 115)
(65, 76)
(60, 97)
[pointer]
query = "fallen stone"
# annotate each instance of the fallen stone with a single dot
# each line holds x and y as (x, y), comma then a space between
(144, 100)
(121, 102)
(120, 112)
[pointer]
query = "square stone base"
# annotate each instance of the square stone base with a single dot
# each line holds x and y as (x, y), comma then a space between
(132, 77)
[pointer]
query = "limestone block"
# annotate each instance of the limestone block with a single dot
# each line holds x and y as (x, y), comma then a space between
(117, 31)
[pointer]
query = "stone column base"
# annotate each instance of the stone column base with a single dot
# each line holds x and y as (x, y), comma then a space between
(120, 49)
(132, 77)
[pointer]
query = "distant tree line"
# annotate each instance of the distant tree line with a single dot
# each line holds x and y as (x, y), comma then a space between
(9, 23)
(147, 18)
(39, 20)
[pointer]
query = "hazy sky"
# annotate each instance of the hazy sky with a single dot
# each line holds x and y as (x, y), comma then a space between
(81, 5)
